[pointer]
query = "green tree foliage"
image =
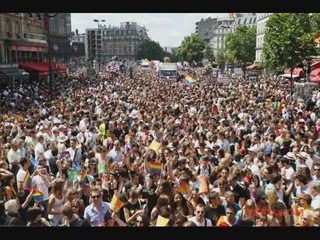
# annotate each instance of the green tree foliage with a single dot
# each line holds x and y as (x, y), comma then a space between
(241, 45)
(208, 54)
(315, 26)
(150, 50)
(191, 49)
(288, 40)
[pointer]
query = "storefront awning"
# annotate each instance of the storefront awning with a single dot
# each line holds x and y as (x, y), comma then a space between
(13, 72)
(315, 76)
(296, 71)
(42, 67)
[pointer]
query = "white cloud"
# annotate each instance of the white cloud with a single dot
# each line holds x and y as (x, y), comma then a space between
(169, 29)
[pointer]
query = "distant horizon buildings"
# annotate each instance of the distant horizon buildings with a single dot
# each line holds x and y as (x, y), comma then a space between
(105, 42)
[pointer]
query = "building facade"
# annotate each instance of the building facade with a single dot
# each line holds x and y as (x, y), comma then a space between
(104, 43)
(247, 19)
(22, 37)
(205, 28)
(218, 40)
(262, 19)
(60, 25)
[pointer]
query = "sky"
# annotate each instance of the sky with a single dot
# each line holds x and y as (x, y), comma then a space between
(169, 29)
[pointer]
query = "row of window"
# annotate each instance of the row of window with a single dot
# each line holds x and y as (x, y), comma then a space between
(111, 32)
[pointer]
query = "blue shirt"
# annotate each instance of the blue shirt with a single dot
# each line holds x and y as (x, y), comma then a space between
(95, 216)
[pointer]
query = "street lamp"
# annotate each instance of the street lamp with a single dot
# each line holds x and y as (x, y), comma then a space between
(47, 16)
(97, 20)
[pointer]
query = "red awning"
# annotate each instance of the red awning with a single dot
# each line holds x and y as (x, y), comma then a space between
(315, 65)
(315, 76)
(42, 67)
(296, 71)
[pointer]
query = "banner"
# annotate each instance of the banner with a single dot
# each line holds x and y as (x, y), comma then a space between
(161, 221)
(155, 146)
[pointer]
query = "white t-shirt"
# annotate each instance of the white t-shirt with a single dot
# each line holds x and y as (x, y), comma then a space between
(20, 175)
(205, 223)
(316, 202)
(13, 156)
(38, 150)
(41, 186)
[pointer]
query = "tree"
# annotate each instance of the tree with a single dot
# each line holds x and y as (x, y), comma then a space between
(220, 58)
(191, 49)
(208, 53)
(150, 50)
(288, 40)
(315, 26)
(241, 45)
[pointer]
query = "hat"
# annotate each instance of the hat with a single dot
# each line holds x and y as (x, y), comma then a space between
(303, 155)
(62, 139)
(182, 159)
(301, 120)
(56, 121)
(260, 195)
(209, 134)
(305, 196)
(290, 156)
(253, 149)
(222, 120)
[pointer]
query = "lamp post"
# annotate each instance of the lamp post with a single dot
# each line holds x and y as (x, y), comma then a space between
(98, 20)
(47, 16)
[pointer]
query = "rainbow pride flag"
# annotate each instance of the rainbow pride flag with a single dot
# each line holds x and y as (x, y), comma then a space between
(38, 196)
(203, 185)
(27, 181)
(188, 80)
(155, 168)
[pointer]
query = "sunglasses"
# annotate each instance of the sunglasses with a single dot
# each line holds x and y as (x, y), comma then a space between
(96, 197)
(316, 169)
(200, 212)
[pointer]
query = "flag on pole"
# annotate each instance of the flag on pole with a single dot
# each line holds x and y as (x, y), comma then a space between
(38, 196)
(27, 181)
(188, 80)
(203, 185)
(116, 204)
(155, 168)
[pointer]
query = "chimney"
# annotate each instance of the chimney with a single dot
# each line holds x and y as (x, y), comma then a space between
(77, 32)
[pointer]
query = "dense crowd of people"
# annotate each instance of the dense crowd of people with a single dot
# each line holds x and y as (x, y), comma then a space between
(120, 150)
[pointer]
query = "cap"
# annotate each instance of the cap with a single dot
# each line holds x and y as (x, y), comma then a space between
(128, 185)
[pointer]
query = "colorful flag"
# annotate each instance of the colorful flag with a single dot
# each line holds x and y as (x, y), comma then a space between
(116, 204)
(101, 168)
(155, 168)
(27, 181)
(184, 189)
(38, 196)
(155, 146)
(73, 174)
(161, 221)
(188, 80)
(203, 185)
(18, 117)
(83, 175)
